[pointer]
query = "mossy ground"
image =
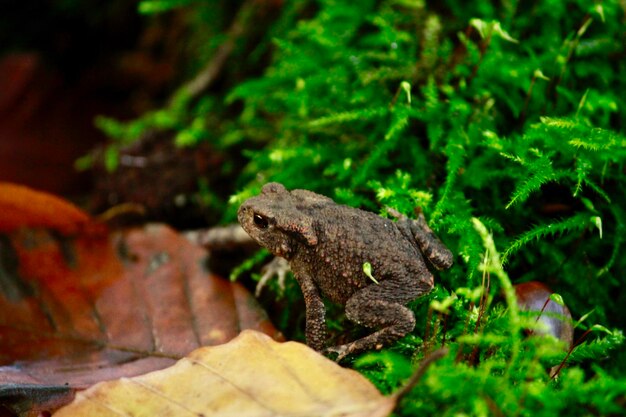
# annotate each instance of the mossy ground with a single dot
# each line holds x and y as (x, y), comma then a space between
(503, 121)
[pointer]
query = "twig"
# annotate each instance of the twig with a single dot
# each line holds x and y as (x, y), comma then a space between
(428, 360)
(221, 237)
(207, 76)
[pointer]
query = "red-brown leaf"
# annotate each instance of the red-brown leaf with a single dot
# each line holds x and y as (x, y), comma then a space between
(23, 207)
(79, 309)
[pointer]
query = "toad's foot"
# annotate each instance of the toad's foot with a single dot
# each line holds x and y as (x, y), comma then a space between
(278, 267)
(343, 350)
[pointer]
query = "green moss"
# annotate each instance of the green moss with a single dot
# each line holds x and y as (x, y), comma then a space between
(512, 113)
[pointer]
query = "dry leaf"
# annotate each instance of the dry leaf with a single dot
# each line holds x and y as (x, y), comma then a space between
(82, 308)
(23, 207)
(250, 376)
(556, 317)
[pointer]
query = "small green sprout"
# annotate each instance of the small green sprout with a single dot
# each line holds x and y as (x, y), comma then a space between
(367, 269)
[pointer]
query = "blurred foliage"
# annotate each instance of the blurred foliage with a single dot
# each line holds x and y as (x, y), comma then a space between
(503, 121)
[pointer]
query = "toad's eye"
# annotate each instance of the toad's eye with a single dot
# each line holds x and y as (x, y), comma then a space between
(260, 221)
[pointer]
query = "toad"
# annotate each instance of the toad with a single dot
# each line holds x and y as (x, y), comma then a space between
(371, 265)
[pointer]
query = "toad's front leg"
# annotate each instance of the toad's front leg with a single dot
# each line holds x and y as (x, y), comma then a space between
(315, 312)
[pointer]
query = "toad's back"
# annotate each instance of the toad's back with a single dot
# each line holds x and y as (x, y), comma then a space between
(348, 238)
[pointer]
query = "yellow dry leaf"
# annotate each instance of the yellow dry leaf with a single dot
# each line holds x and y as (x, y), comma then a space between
(252, 375)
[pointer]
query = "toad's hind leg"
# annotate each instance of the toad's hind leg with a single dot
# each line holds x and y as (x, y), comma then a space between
(382, 306)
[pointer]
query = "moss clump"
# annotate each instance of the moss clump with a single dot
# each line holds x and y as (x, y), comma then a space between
(504, 122)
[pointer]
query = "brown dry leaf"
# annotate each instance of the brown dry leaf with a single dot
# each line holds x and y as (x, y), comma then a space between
(24, 207)
(92, 306)
(250, 376)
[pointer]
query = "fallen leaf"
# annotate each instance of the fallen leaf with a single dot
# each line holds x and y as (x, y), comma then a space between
(250, 376)
(23, 207)
(536, 297)
(82, 308)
